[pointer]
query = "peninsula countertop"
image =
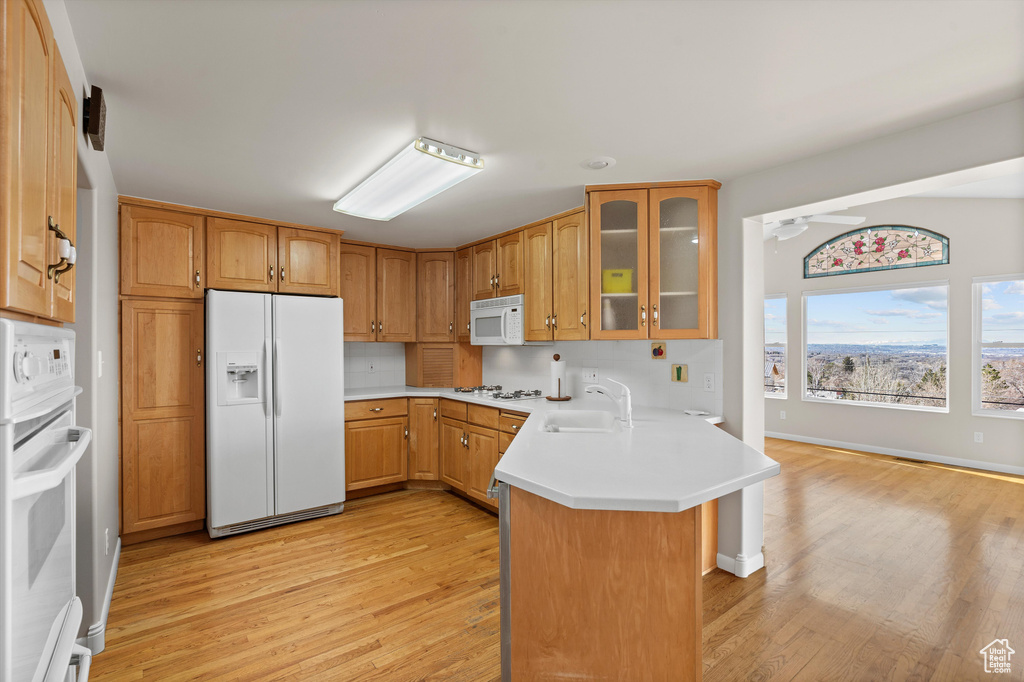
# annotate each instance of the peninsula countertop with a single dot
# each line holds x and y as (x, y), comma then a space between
(669, 461)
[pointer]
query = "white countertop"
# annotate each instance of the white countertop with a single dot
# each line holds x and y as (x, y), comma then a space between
(667, 462)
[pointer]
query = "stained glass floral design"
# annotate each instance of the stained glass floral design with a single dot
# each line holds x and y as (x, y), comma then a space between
(880, 247)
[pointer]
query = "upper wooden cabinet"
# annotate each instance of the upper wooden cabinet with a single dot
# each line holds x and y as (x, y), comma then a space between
(498, 267)
(307, 262)
(396, 295)
(463, 292)
(359, 291)
(161, 253)
(241, 256)
(163, 474)
(38, 164)
(556, 280)
(654, 261)
(435, 311)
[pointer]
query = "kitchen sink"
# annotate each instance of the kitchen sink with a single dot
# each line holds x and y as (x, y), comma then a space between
(581, 421)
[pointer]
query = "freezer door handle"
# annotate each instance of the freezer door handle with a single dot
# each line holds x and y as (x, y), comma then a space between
(268, 387)
(277, 377)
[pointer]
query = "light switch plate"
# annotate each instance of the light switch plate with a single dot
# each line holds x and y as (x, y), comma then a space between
(371, 366)
(680, 373)
(590, 375)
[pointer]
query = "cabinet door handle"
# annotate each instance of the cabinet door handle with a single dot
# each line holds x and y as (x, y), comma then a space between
(376, 409)
(643, 316)
(465, 441)
(373, 326)
(547, 322)
(451, 327)
(197, 277)
(199, 357)
(435, 414)
(407, 433)
(515, 427)
(582, 323)
(271, 273)
(380, 326)
(654, 319)
(492, 280)
(496, 282)
(554, 321)
(282, 273)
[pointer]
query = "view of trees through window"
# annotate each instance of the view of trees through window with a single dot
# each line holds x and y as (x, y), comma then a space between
(775, 345)
(1002, 345)
(882, 346)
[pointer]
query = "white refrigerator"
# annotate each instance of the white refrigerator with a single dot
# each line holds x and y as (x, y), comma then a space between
(275, 429)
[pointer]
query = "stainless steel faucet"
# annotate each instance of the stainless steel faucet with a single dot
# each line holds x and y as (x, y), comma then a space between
(623, 400)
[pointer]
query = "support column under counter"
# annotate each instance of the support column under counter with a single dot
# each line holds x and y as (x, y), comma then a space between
(598, 594)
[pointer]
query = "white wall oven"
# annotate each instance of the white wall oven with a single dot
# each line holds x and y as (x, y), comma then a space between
(39, 448)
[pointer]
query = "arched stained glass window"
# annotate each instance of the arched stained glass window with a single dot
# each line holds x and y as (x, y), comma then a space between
(879, 247)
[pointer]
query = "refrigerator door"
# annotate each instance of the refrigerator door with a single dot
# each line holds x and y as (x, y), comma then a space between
(309, 402)
(239, 424)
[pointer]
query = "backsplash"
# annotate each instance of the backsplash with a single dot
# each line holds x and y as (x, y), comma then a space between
(388, 361)
(630, 362)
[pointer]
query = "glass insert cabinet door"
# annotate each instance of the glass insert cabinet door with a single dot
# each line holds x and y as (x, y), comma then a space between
(679, 262)
(618, 234)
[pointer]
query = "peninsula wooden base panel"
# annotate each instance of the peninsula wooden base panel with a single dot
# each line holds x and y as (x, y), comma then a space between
(604, 594)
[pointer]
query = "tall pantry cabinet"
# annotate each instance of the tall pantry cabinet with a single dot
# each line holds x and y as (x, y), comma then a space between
(38, 166)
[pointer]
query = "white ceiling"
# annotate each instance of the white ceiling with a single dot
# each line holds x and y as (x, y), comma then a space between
(275, 108)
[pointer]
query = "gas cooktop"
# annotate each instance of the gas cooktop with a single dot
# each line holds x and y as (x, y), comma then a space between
(495, 391)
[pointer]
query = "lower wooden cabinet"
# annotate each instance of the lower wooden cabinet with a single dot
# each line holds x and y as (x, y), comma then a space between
(376, 452)
(454, 453)
(424, 427)
(483, 457)
(163, 440)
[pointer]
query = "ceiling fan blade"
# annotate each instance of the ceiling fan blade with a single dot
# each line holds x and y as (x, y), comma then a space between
(838, 219)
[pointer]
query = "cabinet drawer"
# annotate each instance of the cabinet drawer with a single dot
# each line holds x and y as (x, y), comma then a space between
(375, 409)
(482, 415)
(504, 440)
(511, 422)
(454, 409)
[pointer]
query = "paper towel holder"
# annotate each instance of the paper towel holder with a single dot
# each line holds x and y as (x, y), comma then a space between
(559, 398)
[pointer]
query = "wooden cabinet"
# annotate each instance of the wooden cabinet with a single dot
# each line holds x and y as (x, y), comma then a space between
(435, 290)
(654, 261)
(424, 427)
(307, 262)
(396, 295)
(241, 256)
(163, 479)
(443, 365)
(453, 453)
(38, 164)
(359, 291)
(556, 280)
(376, 452)
(463, 293)
(498, 267)
(161, 253)
(483, 457)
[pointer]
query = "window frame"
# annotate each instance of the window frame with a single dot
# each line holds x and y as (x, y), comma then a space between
(807, 293)
(977, 285)
(784, 345)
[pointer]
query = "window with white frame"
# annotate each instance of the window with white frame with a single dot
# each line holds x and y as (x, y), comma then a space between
(999, 346)
(775, 346)
(884, 346)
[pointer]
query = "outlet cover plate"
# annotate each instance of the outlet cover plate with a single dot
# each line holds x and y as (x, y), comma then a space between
(590, 375)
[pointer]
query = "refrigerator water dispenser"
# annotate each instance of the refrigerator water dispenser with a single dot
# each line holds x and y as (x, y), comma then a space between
(238, 379)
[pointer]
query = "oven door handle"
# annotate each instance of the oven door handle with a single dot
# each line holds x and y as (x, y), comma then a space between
(49, 478)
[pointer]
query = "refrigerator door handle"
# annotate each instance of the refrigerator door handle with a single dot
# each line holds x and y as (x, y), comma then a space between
(268, 387)
(277, 378)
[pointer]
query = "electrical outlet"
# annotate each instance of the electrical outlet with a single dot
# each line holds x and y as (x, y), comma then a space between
(590, 375)
(709, 382)
(106, 542)
(371, 366)
(979, 437)
(782, 414)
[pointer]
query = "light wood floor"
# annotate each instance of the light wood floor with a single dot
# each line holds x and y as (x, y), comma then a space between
(876, 569)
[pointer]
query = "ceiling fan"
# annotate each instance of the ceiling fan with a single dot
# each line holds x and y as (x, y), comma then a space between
(791, 227)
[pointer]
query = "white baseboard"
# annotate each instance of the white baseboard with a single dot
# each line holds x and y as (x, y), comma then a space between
(740, 566)
(909, 454)
(95, 639)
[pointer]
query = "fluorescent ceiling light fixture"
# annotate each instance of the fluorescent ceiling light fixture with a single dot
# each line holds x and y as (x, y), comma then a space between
(423, 169)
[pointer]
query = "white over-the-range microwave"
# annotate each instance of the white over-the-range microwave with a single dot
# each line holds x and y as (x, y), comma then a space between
(498, 322)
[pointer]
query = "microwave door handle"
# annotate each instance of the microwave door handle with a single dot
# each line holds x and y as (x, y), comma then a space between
(504, 316)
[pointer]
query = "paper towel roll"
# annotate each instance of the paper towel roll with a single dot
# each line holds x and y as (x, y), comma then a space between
(558, 374)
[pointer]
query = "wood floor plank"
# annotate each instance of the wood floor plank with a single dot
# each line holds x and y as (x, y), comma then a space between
(874, 569)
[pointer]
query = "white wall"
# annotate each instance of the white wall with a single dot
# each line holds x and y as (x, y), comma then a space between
(388, 360)
(985, 239)
(975, 139)
(96, 313)
(630, 362)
